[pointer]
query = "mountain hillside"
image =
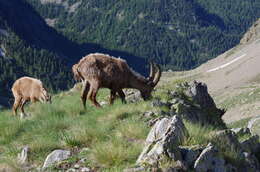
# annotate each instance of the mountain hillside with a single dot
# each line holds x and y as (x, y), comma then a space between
(178, 34)
(234, 77)
(29, 47)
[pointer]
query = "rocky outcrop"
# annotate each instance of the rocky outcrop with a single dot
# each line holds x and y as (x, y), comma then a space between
(251, 144)
(227, 140)
(163, 141)
(190, 154)
(192, 102)
(210, 160)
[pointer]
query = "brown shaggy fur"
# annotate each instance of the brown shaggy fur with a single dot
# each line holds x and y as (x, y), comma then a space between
(103, 71)
(28, 89)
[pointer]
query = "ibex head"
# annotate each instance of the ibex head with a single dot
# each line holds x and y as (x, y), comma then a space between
(151, 81)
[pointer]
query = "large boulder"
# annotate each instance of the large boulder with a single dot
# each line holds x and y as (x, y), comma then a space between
(190, 154)
(193, 102)
(210, 160)
(251, 144)
(163, 141)
(251, 163)
(198, 91)
(227, 139)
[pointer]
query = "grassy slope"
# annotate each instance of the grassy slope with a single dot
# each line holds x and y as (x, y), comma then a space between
(113, 135)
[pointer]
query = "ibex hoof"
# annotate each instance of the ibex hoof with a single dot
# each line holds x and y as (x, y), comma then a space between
(23, 115)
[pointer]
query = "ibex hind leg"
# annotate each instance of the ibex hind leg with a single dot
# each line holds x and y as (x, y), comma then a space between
(23, 102)
(16, 105)
(84, 93)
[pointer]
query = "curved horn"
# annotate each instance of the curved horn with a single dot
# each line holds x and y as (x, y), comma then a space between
(152, 72)
(157, 75)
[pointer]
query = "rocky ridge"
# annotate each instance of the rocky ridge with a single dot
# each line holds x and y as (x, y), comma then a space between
(164, 150)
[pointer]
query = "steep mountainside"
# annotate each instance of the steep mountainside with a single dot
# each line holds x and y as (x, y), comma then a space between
(234, 77)
(28, 46)
(179, 34)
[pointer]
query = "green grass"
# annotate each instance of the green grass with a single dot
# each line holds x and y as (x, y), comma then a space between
(243, 98)
(114, 134)
(239, 124)
(198, 134)
(256, 128)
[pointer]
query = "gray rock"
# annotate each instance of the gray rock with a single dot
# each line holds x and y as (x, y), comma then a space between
(175, 100)
(23, 156)
(251, 144)
(170, 169)
(199, 92)
(135, 169)
(76, 166)
(190, 154)
(253, 125)
(173, 94)
(163, 140)
(193, 103)
(251, 161)
(209, 160)
(148, 114)
(228, 140)
(231, 168)
(178, 166)
(152, 121)
(241, 131)
(71, 170)
(85, 169)
(133, 98)
(158, 103)
(102, 103)
(83, 160)
(56, 156)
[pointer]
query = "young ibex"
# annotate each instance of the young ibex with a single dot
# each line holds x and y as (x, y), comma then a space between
(28, 89)
(103, 71)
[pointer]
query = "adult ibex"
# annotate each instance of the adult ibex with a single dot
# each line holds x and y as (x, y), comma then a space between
(103, 71)
(28, 89)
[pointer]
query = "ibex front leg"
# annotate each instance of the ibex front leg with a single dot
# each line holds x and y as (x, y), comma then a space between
(122, 95)
(112, 97)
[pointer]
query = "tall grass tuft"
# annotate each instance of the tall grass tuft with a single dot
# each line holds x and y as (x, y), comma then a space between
(198, 134)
